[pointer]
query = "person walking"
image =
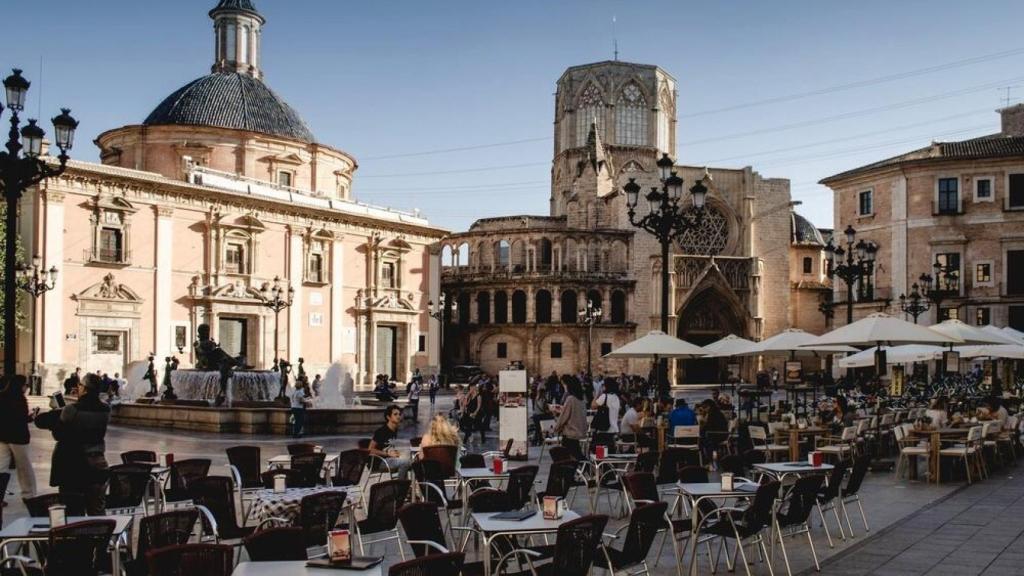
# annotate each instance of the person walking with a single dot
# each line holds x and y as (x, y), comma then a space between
(14, 435)
(78, 464)
(414, 397)
(572, 419)
(432, 387)
(608, 403)
(300, 400)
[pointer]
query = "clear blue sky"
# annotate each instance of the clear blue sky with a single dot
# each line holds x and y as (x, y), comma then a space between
(385, 77)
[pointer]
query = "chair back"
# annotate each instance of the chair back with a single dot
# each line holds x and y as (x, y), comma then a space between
(139, 457)
(849, 434)
(489, 500)
(279, 544)
(308, 468)
(429, 471)
(686, 432)
(350, 467)
(860, 470)
(670, 462)
(165, 529)
(754, 456)
(191, 560)
(561, 479)
(435, 565)
(520, 485)
(861, 427)
(184, 473)
(835, 481)
(644, 524)
(759, 513)
(318, 514)
(888, 420)
(576, 544)
(900, 434)
(689, 474)
(641, 486)
(127, 485)
(363, 443)
(606, 439)
(291, 477)
(560, 454)
(301, 448)
(79, 548)
(472, 461)
(757, 434)
(386, 498)
(422, 521)
(733, 464)
(247, 460)
(647, 462)
(444, 455)
(217, 494)
(800, 500)
(39, 506)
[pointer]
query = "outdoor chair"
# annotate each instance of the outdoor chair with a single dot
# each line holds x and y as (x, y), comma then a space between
(828, 499)
(214, 497)
(646, 462)
(350, 467)
(560, 482)
(444, 455)
(318, 514)
(277, 544)
(301, 448)
(308, 469)
(759, 438)
(191, 560)
(644, 524)
(670, 462)
(39, 506)
(247, 464)
(842, 447)
(363, 443)
(127, 487)
(909, 450)
(733, 464)
(430, 483)
(78, 549)
(792, 518)
(160, 530)
(139, 457)
(968, 451)
(745, 525)
(449, 564)
(183, 474)
(577, 544)
(381, 522)
(1005, 437)
(851, 492)
(519, 486)
(421, 523)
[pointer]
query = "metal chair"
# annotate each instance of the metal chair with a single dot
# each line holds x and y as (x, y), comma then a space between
(139, 457)
(301, 448)
(520, 485)
(127, 487)
(213, 496)
(79, 549)
(644, 524)
(385, 499)
(39, 506)
(421, 523)
(792, 519)
(308, 469)
(828, 498)
(350, 467)
(577, 544)
(277, 544)
(247, 463)
(449, 564)
(160, 530)
(191, 560)
(318, 514)
(183, 474)
(745, 525)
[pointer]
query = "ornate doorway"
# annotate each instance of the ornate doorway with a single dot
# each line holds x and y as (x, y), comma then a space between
(706, 318)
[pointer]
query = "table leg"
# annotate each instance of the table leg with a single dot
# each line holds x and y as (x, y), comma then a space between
(933, 463)
(794, 445)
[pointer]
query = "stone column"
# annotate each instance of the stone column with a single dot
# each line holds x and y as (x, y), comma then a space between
(295, 277)
(162, 297)
(474, 309)
(434, 295)
(338, 306)
(556, 305)
(52, 304)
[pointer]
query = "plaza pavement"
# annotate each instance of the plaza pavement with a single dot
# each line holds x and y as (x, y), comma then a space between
(888, 502)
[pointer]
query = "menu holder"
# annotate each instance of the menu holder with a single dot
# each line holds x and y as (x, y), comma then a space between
(554, 507)
(339, 546)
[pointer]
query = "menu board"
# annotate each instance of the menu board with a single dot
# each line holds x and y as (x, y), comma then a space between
(512, 391)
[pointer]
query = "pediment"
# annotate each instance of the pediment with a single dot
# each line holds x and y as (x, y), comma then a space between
(109, 289)
(247, 222)
(109, 299)
(291, 158)
(115, 203)
(236, 290)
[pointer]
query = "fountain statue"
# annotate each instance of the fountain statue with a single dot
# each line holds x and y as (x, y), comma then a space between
(211, 357)
(284, 367)
(151, 377)
(171, 364)
(301, 376)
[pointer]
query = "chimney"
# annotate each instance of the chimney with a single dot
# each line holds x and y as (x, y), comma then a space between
(1013, 120)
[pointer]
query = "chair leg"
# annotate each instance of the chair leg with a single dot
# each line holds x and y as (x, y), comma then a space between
(814, 553)
(743, 554)
(862, 516)
(764, 551)
(785, 555)
(846, 515)
(825, 526)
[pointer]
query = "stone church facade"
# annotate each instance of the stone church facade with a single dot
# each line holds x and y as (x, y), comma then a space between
(222, 189)
(520, 281)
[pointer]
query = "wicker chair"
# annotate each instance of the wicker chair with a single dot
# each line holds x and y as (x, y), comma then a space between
(191, 560)
(276, 544)
(520, 485)
(39, 506)
(183, 474)
(301, 448)
(644, 524)
(421, 523)
(318, 514)
(449, 564)
(127, 488)
(350, 467)
(158, 531)
(78, 549)
(246, 461)
(308, 468)
(385, 499)
(214, 496)
(577, 544)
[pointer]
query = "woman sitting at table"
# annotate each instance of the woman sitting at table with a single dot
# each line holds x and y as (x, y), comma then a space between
(441, 433)
(937, 413)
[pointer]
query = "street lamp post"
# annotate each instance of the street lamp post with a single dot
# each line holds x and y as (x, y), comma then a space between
(946, 285)
(915, 304)
(20, 168)
(827, 307)
(437, 312)
(36, 281)
(852, 270)
(589, 316)
(667, 220)
(276, 298)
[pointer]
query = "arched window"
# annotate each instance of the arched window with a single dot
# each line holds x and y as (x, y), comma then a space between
(589, 109)
(462, 255)
(518, 256)
(618, 307)
(665, 113)
(631, 116)
(568, 301)
(502, 253)
(500, 307)
(519, 307)
(808, 265)
(447, 256)
(483, 308)
(463, 311)
(542, 306)
(544, 255)
(594, 296)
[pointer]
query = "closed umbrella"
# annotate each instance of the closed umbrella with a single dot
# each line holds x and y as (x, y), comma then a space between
(883, 329)
(731, 345)
(657, 344)
(970, 334)
(903, 354)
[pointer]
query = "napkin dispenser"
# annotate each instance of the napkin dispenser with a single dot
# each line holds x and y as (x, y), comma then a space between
(280, 483)
(554, 507)
(58, 515)
(727, 482)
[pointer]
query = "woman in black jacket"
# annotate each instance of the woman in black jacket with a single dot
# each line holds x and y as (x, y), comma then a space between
(78, 465)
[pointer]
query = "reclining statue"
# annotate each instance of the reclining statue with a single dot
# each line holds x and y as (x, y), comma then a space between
(211, 357)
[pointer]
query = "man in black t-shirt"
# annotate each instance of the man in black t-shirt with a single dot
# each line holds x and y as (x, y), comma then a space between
(382, 443)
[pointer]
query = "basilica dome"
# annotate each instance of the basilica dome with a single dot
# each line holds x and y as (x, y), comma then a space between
(234, 100)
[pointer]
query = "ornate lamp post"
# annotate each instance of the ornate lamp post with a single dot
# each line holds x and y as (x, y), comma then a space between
(437, 312)
(915, 304)
(827, 307)
(946, 284)
(852, 270)
(667, 220)
(20, 168)
(276, 298)
(588, 317)
(36, 281)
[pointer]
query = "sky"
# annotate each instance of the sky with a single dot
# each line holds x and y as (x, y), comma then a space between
(795, 89)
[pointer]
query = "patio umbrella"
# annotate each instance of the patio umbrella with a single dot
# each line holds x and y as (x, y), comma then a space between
(1010, 351)
(883, 329)
(1016, 334)
(970, 334)
(792, 342)
(659, 345)
(894, 355)
(731, 345)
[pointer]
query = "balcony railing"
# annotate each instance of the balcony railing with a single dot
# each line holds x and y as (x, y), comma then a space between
(473, 274)
(107, 256)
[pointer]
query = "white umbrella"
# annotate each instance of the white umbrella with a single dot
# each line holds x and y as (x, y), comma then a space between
(792, 341)
(731, 345)
(882, 328)
(970, 334)
(1015, 334)
(895, 355)
(658, 344)
(1011, 351)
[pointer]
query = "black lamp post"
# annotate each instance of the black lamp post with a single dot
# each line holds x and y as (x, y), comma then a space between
(20, 168)
(437, 312)
(915, 304)
(588, 317)
(827, 307)
(276, 298)
(667, 220)
(946, 284)
(36, 281)
(855, 269)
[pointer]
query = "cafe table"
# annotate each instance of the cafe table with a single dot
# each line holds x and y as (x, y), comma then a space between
(467, 476)
(30, 529)
(695, 493)
(781, 470)
(492, 528)
(268, 504)
(796, 432)
(298, 568)
(935, 437)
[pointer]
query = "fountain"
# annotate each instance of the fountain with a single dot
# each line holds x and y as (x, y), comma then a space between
(137, 385)
(336, 388)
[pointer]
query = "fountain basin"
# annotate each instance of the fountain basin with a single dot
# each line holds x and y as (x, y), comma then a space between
(243, 386)
(254, 418)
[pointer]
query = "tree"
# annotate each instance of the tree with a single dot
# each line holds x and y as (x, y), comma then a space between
(20, 318)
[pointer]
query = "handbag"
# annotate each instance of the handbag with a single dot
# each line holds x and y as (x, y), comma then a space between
(602, 419)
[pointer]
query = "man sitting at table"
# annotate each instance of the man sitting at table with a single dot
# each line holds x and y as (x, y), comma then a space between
(382, 443)
(682, 415)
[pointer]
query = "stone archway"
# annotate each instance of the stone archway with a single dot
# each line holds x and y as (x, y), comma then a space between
(707, 317)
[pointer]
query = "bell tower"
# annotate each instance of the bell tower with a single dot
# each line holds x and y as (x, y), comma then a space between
(237, 31)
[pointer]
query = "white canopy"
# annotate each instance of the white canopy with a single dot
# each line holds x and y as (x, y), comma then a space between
(1012, 351)
(794, 341)
(731, 345)
(970, 334)
(1015, 334)
(893, 355)
(882, 328)
(657, 343)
